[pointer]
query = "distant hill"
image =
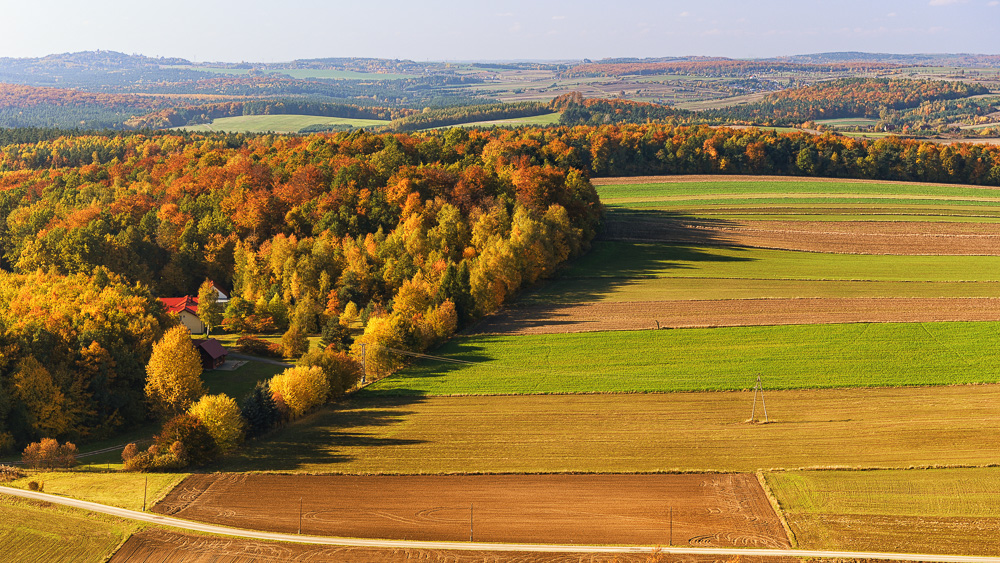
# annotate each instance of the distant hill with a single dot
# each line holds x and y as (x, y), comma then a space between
(935, 59)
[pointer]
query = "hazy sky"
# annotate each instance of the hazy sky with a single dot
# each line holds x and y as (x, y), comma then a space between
(281, 30)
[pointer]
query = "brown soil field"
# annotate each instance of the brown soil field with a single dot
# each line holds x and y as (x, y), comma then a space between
(155, 546)
(644, 315)
(746, 178)
(843, 237)
(708, 509)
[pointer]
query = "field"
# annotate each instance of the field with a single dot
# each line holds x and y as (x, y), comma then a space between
(708, 510)
(537, 120)
(278, 123)
(954, 510)
(614, 433)
(718, 359)
(32, 531)
(124, 490)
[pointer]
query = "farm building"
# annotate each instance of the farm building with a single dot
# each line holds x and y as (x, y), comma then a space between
(187, 309)
(213, 353)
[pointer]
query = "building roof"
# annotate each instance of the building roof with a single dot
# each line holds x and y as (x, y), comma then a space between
(180, 304)
(213, 348)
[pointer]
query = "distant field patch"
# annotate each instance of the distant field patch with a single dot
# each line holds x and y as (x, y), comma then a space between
(302, 73)
(32, 531)
(613, 433)
(789, 357)
(288, 123)
(538, 120)
(924, 511)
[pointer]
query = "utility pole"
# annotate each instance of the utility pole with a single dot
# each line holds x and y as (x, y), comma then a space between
(145, 486)
(300, 516)
(470, 522)
(671, 542)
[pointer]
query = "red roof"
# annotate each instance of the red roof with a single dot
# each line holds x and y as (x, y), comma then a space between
(213, 348)
(178, 304)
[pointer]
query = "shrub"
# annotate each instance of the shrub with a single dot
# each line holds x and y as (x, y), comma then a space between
(198, 445)
(9, 473)
(294, 343)
(48, 454)
(35, 486)
(301, 389)
(221, 416)
(341, 370)
(129, 452)
(256, 347)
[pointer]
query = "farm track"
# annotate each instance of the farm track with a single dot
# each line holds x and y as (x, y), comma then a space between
(714, 510)
(644, 315)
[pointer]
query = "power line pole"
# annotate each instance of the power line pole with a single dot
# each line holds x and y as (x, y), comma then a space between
(300, 516)
(470, 522)
(753, 413)
(364, 366)
(671, 542)
(145, 486)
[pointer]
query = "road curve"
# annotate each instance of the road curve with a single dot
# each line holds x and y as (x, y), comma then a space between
(470, 546)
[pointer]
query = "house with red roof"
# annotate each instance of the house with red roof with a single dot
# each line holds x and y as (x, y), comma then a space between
(187, 309)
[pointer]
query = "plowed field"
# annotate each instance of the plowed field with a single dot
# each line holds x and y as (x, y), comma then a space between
(842, 237)
(643, 315)
(708, 510)
(155, 546)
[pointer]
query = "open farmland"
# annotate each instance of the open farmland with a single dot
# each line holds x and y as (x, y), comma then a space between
(124, 490)
(925, 511)
(282, 123)
(613, 433)
(709, 510)
(34, 531)
(716, 359)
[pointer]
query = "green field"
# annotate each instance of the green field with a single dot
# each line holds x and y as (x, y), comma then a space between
(31, 531)
(124, 490)
(713, 359)
(932, 510)
(615, 433)
(302, 73)
(288, 123)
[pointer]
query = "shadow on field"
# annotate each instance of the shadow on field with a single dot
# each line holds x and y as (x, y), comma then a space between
(635, 245)
(328, 436)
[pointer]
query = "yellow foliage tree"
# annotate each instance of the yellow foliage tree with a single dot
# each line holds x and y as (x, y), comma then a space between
(173, 374)
(48, 407)
(221, 416)
(301, 389)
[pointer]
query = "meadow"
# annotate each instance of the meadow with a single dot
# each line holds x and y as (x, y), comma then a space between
(712, 359)
(283, 123)
(624, 433)
(124, 490)
(31, 531)
(948, 510)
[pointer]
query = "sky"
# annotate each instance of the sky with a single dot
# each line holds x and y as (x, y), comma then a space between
(440, 30)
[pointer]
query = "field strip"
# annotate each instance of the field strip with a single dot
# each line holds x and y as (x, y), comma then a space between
(785, 195)
(685, 178)
(467, 546)
(708, 313)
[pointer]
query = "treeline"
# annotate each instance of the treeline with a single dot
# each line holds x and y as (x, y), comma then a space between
(850, 97)
(577, 110)
(430, 118)
(190, 115)
(73, 351)
(718, 67)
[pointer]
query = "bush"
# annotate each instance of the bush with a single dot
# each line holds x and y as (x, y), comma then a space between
(49, 454)
(294, 343)
(129, 452)
(152, 460)
(301, 389)
(198, 445)
(256, 347)
(341, 370)
(36, 486)
(9, 473)
(221, 416)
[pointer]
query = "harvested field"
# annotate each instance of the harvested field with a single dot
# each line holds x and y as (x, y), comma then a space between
(619, 433)
(644, 315)
(684, 178)
(843, 237)
(708, 510)
(927, 511)
(155, 546)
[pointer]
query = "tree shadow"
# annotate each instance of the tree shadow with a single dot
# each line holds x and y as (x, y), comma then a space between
(327, 437)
